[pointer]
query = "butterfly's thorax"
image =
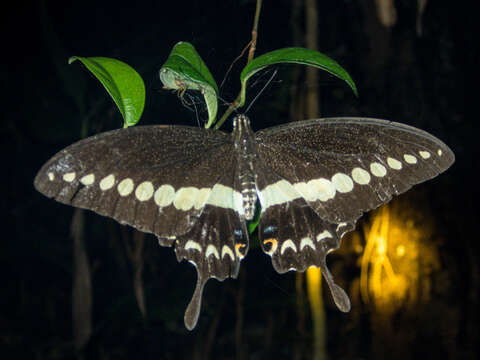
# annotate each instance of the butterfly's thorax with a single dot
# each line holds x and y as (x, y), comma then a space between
(244, 142)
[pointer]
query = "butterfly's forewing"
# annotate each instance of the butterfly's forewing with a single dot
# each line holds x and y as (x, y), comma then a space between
(155, 178)
(317, 177)
(346, 166)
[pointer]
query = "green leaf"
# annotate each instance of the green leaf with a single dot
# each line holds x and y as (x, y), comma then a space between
(297, 56)
(122, 82)
(185, 70)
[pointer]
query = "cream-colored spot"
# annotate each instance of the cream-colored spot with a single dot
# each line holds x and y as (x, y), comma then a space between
(88, 179)
(323, 188)
(212, 250)
(394, 163)
(278, 193)
(378, 169)
(164, 195)
(193, 245)
(410, 159)
(125, 187)
(225, 197)
(342, 182)
(439, 152)
(307, 192)
(51, 176)
(425, 154)
(144, 191)
(288, 244)
(274, 245)
(107, 182)
(323, 235)
(69, 177)
(306, 241)
(360, 176)
(227, 251)
(201, 199)
(185, 198)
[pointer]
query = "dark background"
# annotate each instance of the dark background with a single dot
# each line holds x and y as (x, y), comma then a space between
(426, 81)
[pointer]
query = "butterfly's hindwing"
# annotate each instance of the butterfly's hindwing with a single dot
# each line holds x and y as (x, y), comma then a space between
(343, 167)
(217, 241)
(155, 178)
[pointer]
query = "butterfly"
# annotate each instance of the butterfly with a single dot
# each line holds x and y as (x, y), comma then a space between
(196, 188)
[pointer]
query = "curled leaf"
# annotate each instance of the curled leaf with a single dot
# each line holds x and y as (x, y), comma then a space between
(185, 70)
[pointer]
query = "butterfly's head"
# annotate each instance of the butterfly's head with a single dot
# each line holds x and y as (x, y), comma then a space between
(241, 122)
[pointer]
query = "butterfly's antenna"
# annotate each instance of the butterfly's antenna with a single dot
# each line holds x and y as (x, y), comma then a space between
(224, 102)
(261, 91)
(234, 61)
(196, 113)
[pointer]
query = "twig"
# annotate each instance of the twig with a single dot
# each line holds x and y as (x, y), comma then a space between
(251, 53)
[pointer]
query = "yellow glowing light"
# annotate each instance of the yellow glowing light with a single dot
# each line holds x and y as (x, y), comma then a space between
(314, 290)
(391, 265)
(358, 248)
(400, 250)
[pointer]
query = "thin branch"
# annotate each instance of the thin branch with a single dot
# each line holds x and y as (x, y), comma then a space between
(251, 53)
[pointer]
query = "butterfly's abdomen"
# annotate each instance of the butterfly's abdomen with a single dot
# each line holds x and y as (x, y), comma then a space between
(249, 193)
(245, 147)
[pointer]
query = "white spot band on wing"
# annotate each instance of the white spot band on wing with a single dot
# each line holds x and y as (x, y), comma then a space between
(410, 159)
(164, 195)
(394, 163)
(424, 154)
(342, 183)
(107, 182)
(317, 189)
(360, 176)
(225, 197)
(378, 169)
(88, 179)
(125, 187)
(69, 177)
(144, 191)
(185, 198)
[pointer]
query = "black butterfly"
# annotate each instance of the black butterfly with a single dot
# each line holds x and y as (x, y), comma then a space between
(195, 188)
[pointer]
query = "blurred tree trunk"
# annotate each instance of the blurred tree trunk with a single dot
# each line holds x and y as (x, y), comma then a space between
(311, 42)
(135, 249)
(379, 54)
(305, 104)
(82, 287)
(312, 110)
(138, 261)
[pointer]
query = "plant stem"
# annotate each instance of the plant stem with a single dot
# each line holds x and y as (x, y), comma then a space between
(251, 53)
